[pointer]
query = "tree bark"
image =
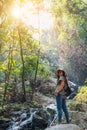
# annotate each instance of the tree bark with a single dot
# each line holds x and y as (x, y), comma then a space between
(23, 69)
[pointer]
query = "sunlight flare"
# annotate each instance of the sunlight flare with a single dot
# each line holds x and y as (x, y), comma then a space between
(16, 12)
(42, 21)
(39, 19)
(36, 36)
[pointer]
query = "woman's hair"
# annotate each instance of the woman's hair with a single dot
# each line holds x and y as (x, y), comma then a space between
(64, 74)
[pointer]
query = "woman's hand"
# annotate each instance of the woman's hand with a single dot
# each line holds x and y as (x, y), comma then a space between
(56, 93)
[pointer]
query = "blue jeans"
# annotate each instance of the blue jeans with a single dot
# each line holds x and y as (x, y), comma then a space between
(61, 105)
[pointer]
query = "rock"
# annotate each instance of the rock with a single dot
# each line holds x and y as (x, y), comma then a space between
(39, 122)
(84, 107)
(79, 118)
(4, 123)
(47, 88)
(75, 105)
(64, 127)
(52, 109)
(29, 119)
(44, 100)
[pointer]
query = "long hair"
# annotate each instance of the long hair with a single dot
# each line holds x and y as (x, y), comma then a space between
(64, 74)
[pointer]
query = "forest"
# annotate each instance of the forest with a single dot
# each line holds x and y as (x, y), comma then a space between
(37, 37)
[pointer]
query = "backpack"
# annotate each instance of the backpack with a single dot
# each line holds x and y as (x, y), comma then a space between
(68, 91)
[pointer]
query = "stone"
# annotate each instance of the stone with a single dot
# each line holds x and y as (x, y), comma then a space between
(64, 127)
(79, 118)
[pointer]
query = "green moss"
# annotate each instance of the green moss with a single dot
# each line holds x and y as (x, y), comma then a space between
(75, 105)
(33, 104)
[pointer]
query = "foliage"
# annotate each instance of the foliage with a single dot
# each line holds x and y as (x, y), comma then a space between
(44, 71)
(30, 65)
(82, 94)
(70, 27)
(79, 101)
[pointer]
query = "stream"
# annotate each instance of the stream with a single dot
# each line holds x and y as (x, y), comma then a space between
(31, 119)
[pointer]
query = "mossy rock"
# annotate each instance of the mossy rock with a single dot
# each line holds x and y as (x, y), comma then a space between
(76, 106)
(33, 104)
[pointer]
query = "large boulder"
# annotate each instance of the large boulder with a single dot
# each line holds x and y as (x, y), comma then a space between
(79, 118)
(64, 127)
(47, 88)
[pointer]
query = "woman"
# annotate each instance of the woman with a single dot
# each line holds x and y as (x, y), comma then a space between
(60, 95)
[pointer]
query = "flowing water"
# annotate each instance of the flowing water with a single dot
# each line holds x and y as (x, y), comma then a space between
(32, 119)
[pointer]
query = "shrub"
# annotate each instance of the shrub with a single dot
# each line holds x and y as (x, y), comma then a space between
(82, 94)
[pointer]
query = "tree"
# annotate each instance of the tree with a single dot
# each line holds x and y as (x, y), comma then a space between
(70, 27)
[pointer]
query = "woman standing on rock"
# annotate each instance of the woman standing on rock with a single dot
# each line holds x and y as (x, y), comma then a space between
(60, 95)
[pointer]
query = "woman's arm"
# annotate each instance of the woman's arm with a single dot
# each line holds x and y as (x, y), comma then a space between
(60, 88)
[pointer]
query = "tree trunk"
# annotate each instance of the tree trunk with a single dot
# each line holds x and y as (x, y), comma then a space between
(23, 69)
(7, 74)
(35, 78)
(6, 85)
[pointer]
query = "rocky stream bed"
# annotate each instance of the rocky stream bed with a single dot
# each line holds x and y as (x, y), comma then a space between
(40, 118)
